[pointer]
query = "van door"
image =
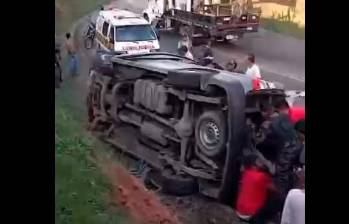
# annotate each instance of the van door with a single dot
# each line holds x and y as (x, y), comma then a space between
(99, 28)
(111, 38)
(105, 39)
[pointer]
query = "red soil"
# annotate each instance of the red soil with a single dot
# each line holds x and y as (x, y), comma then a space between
(130, 194)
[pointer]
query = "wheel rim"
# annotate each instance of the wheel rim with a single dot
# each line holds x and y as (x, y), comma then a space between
(210, 135)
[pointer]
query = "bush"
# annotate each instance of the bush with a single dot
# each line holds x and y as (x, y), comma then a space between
(284, 27)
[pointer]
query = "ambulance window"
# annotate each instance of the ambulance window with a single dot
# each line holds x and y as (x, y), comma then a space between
(99, 24)
(105, 29)
(111, 34)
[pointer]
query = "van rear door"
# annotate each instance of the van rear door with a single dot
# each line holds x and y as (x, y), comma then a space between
(102, 28)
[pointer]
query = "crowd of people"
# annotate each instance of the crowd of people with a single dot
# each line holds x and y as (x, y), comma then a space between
(273, 175)
(272, 182)
(206, 58)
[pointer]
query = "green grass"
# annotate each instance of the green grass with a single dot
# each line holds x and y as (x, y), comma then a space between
(284, 27)
(80, 186)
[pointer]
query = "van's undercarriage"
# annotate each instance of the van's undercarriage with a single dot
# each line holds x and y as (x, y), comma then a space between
(167, 125)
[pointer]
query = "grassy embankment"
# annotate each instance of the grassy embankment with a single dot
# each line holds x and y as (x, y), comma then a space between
(80, 187)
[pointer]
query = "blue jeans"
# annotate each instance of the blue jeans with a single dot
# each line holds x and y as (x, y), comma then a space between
(73, 65)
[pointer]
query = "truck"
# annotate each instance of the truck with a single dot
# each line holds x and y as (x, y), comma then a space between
(221, 20)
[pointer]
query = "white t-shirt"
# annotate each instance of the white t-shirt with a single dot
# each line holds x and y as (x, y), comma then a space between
(254, 72)
(294, 208)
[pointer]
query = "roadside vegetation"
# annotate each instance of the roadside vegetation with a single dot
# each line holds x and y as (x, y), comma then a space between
(67, 11)
(284, 23)
(284, 27)
(80, 187)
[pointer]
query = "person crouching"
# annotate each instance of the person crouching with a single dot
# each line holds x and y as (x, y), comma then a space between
(253, 204)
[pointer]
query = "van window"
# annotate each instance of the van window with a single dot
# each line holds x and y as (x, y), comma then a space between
(111, 34)
(99, 24)
(105, 29)
(135, 33)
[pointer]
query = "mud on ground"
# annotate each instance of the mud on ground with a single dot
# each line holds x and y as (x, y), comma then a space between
(146, 206)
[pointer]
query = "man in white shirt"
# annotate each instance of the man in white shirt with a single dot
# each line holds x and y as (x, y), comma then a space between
(252, 68)
(294, 208)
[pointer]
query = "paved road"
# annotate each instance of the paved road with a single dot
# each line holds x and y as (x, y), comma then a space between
(280, 58)
(223, 52)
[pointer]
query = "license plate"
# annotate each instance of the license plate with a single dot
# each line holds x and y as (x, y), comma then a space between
(249, 28)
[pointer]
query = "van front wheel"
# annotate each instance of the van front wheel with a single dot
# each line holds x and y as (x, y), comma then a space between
(211, 133)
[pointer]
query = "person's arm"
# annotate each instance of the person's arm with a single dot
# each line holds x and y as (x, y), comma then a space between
(266, 162)
(272, 187)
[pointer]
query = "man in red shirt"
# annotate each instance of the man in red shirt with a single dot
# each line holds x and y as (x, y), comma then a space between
(256, 184)
(296, 113)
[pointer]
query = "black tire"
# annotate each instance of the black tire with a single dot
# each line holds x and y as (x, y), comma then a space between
(178, 185)
(211, 133)
(101, 63)
(188, 78)
(88, 42)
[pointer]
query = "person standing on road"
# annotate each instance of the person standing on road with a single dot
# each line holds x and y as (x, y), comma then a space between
(72, 54)
(184, 41)
(252, 68)
(253, 71)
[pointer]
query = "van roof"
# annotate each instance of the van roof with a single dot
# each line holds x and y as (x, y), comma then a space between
(118, 17)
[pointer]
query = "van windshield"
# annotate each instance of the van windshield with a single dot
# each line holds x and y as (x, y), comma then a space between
(134, 33)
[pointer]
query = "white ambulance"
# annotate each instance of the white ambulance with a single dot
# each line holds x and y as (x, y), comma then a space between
(125, 32)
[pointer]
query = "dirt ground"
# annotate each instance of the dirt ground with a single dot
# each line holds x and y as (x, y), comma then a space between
(130, 194)
(146, 206)
(199, 209)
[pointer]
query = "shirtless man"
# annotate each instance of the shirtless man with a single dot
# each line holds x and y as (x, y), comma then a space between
(72, 54)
